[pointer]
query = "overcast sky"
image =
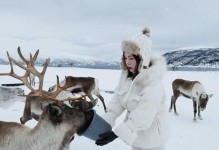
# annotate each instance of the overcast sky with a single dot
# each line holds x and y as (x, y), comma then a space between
(96, 28)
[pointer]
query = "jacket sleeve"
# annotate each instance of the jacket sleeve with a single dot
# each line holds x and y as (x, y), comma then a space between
(142, 117)
(114, 109)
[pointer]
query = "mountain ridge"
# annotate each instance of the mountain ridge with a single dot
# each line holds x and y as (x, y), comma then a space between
(200, 57)
(203, 57)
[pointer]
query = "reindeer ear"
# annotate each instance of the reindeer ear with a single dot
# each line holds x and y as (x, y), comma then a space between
(210, 95)
(55, 113)
(55, 110)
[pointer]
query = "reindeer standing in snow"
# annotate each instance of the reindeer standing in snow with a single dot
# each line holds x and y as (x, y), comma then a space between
(193, 90)
(86, 85)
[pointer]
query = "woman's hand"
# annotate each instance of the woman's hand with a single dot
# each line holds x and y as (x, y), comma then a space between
(106, 138)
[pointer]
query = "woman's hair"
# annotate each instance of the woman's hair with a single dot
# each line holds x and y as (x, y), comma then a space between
(137, 59)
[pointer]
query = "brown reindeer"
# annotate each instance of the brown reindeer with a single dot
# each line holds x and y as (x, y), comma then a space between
(32, 104)
(190, 89)
(87, 85)
(54, 131)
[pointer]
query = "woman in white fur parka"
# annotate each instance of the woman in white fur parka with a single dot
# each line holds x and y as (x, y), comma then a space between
(140, 92)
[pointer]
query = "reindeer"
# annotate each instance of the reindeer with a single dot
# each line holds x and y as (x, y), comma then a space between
(193, 90)
(32, 104)
(54, 131)
(87, 85)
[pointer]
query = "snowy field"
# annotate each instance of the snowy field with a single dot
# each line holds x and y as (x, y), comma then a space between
(185, 134)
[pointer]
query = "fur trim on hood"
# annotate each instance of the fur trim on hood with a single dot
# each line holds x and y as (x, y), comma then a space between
(131, 47)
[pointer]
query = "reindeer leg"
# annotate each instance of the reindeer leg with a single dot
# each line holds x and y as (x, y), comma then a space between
(199, 114)
(171, 103)
(100, 97)
(195, 109)
(176, 94)
(34, 82)
(174, 104)
(102, 100)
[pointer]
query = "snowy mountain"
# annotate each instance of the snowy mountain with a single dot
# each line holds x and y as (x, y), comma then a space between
(202, 57)
(181, 58)
(82, 62)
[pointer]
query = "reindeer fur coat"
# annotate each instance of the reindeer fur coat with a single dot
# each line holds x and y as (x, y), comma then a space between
(146, 124)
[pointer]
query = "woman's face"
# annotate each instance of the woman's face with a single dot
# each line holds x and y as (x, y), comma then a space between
(130, 62)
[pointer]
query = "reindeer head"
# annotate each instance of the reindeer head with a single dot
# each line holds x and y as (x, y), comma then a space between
(77, 120)
(203, 100)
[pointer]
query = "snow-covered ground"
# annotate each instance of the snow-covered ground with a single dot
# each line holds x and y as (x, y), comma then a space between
(185, 134)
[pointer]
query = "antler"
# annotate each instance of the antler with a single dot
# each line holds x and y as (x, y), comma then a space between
(29, 68)
(61, 88)
(63, 100)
